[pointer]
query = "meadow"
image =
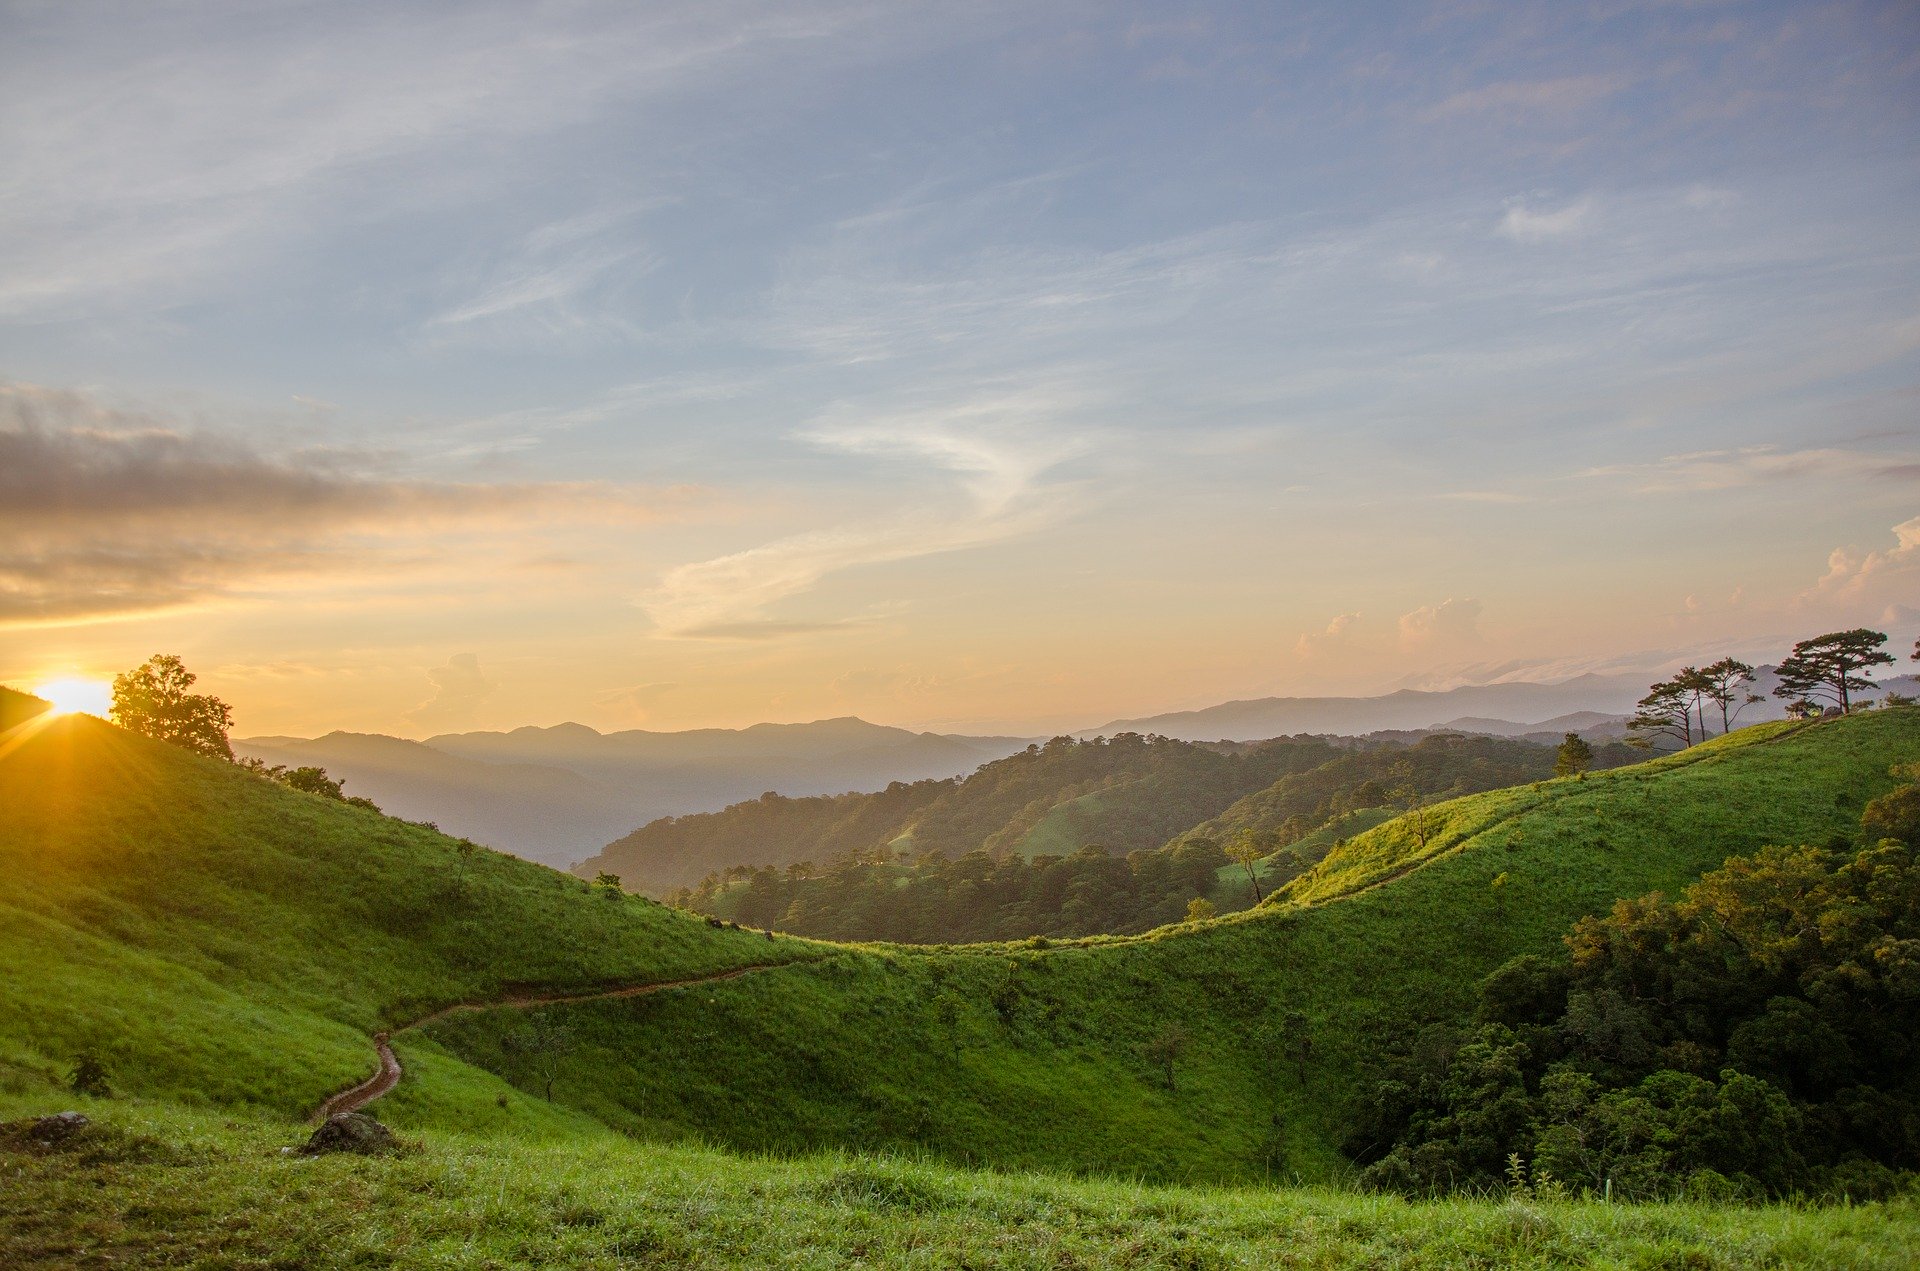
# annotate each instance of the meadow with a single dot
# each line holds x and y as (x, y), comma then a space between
(222, 947)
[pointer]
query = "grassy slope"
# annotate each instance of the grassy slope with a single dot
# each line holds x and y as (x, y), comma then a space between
(224, 940)
(1281, 867)
(156, 1186)
(1036, 1058)
(216, 937)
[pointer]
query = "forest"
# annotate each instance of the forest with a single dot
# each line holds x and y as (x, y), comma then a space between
(1755, 1038)
(955, 875)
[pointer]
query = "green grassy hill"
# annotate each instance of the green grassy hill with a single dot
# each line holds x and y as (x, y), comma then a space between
(215, 937)
(1123, 793)
(220, 941)
(1044, 1057)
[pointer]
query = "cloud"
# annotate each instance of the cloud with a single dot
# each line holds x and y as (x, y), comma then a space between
(998, 452)
(566, 278)
(1524, 225)
(1876, 584)
(166, 152)
(458, 690)
(1704, 470)
(1337, 636)
(1528, 101)
(1449, 624)
(109, 511)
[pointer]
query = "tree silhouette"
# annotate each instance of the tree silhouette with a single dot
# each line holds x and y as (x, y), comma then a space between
(1574, 757)
(1832, 666)
(1727, 685)
(152, 699)
(1666, 711)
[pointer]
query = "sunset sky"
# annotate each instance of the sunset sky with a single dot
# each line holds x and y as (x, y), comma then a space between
(409, 368)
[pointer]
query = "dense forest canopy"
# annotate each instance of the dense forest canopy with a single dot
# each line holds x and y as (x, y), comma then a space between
(1757, 1037)
(957, 874)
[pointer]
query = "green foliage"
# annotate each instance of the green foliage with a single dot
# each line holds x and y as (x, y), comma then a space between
(1763, 1031)
(1125, 793)
(1090, 890)
(152, 699)
(1573, 757)
(1833, 666)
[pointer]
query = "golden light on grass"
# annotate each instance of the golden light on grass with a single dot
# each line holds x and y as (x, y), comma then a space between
(73, 695)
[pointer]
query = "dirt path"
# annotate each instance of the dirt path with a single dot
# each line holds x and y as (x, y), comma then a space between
(356, 1097)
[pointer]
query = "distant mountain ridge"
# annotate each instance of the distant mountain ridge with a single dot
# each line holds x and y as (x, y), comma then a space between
(1503, 708)
(560, 793)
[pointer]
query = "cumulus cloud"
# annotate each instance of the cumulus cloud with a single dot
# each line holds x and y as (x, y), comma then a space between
(1449, 624)
(999, 452)
(1876, 584)
(108, 511)
(458, 690)
(1337, 635)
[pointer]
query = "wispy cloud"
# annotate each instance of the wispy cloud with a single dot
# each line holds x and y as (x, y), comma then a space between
(1526, 225)
(1519, 100)
(1704, 470)
(130, 175)
(1001, 453)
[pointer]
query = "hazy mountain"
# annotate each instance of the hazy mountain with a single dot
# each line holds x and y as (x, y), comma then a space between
(1407, 709)
(543, 813)
(559, 794)
(1415, 710)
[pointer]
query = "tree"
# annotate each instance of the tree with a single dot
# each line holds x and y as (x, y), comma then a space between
(1199, 909)
(1165, 1048)
(1573, 758)
(1418, 816)
(152, 699)
(312, 780)
(1726, 683)
(1244, 850)
(540, 1044)
(1833, 666)
(1666, 711)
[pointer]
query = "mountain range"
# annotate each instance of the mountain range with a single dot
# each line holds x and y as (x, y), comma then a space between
(559, 794)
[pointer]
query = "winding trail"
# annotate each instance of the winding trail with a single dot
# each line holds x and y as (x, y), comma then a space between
(356, 1097)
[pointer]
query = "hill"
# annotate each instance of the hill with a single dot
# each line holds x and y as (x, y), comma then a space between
(1123, 793)
(214, 937)
(219, 941)
(1280, 1008)
(557, 794)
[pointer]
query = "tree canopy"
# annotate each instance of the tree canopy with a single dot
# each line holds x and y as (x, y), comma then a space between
(153, 699)
(1833, 666)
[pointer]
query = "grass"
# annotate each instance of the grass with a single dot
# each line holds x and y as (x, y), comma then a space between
(218, 938)
(1033, 1057)
(225, 945)
(154, 1185)
(1282, 866)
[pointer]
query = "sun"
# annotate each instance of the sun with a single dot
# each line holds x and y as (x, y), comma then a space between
(72, 695)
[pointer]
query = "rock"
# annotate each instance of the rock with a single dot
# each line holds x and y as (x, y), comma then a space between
(57, 1128)
(351, 1132)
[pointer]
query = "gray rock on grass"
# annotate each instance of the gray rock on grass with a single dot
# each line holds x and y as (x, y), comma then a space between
(351, 1132)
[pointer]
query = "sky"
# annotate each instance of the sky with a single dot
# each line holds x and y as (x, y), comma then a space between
(978, 367)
